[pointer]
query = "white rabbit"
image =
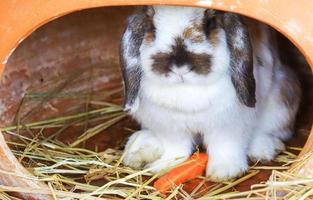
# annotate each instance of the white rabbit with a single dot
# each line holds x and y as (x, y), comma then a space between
(191, 72)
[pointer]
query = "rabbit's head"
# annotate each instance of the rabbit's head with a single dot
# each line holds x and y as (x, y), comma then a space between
(185, 45)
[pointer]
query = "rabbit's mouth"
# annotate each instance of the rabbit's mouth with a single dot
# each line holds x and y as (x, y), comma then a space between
(177, 78)
(182, 79)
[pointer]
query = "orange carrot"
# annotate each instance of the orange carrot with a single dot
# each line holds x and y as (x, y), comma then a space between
(195, 166)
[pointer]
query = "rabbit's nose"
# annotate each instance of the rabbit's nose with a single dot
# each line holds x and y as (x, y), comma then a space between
(181, 70)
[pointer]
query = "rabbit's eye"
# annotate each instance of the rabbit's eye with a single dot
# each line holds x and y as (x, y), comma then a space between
(150, 26)
(150, 32)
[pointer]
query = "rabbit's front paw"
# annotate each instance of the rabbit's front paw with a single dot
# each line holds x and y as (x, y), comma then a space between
(142, 148)
(265, 147)
(221, 169)
(166, 162)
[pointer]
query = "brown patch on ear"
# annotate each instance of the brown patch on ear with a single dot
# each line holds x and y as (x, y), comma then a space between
(149, 26)
(239, 44)
(213, 37)
(149, 11)
(136, 26)
(209, 13)
(150, 32)
(149, 37)
(211, 26)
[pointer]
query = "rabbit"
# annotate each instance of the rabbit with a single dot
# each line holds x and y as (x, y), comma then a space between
(193, 73)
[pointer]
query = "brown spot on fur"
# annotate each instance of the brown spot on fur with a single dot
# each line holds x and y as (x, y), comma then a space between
(201, 63)
(212, 24)
(199, 35)
(198, 27)
(209, 13)
(150, 31)
(198, 39)
(214, 37)
(180, 56)
(149, 37)
(194, 34)
(188, 32)
(161, 63)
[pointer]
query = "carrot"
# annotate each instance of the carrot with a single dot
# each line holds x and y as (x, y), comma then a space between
(194, 166)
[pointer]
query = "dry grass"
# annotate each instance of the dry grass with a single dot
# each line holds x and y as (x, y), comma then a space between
(74, 172)
(77, 173)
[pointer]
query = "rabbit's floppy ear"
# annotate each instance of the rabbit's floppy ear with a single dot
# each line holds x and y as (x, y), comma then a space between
(241, 56)
(133, 35)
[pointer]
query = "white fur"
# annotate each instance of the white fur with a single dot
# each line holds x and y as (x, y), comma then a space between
(142, 147)
(130, 60)
(173, 111)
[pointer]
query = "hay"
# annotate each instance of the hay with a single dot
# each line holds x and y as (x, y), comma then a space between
(74, 172)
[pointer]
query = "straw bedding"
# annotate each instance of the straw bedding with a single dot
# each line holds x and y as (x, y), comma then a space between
(73, 171)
